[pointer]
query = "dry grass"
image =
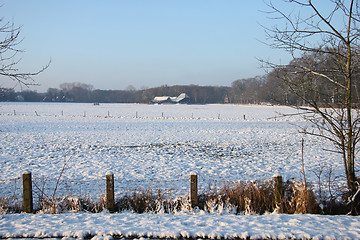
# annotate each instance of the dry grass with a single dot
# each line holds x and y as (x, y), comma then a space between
(299, 198)
(240, 198)
(147, 201)
(9, 205)
(250, 197)
(71, 204)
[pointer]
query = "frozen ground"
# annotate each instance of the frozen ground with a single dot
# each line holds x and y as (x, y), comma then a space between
(158, 146)
(155, 145)
(105, 226)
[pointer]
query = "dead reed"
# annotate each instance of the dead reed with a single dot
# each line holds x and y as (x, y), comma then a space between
(248, 197)
(9, 205)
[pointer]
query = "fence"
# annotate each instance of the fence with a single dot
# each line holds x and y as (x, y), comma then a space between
(141, 115)
(110, 191)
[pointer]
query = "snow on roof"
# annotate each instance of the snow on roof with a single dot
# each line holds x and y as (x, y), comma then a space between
(163, 98)
(178, 99)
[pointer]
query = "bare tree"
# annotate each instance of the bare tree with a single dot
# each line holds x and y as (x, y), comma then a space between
(324, 44)
(9, 60)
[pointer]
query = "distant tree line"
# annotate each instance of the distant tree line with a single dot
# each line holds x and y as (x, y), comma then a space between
(80, 92)
(262, 89)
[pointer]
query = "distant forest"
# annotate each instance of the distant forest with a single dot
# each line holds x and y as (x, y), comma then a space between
(242, 91)
(256, 90)
(268, 89)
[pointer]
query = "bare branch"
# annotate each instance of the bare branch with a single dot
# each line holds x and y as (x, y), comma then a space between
(8, 55)
(329, 59)
(326, 77)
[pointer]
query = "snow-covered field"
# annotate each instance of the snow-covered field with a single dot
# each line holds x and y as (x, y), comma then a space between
(158, 146)
(155, 145)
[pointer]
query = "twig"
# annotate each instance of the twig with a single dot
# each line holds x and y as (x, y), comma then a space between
(62, 171)
(302, 162)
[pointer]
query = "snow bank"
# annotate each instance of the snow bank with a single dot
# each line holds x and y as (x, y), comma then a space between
(82, 225)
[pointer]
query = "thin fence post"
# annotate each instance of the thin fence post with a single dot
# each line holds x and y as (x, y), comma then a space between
(27, 193)
(279, 192)
(193, 190)
(110, 199)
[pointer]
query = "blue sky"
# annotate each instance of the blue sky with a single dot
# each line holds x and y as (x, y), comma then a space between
(144, 43)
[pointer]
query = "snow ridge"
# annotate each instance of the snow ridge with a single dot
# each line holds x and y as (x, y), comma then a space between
(200, 225)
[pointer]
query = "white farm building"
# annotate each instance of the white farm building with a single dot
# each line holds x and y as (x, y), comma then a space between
(182, 98)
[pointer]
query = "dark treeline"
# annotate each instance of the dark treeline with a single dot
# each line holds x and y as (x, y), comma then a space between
(245, 91)
(264, 89)
(79, 92)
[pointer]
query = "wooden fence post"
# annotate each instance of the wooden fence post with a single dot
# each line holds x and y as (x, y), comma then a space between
(193, 190)
(110, 201)
(279, 192)
(27, 193)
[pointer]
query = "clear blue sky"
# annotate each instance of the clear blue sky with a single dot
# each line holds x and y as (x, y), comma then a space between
(145, 43)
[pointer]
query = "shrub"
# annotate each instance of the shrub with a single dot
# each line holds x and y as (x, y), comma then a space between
(240, 198)
(9, 205)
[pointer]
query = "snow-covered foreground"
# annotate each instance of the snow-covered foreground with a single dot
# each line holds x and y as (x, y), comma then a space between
(150, 146)
(106, 226)
(153, 146)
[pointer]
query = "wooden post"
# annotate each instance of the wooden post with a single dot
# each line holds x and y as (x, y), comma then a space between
(279, 192)
(193, 190)
(110, 202)
(27, 193)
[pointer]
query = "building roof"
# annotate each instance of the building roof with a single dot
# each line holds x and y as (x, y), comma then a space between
(182, 98)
